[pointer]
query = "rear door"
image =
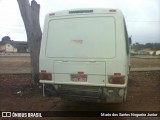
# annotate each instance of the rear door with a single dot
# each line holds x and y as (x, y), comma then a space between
(81, 40)
(81, 37)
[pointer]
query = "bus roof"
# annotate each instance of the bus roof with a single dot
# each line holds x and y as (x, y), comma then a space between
(84, 11)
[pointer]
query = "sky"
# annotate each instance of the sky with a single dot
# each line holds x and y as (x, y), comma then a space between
(142, 16)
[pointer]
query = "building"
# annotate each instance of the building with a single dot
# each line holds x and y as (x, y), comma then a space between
(133, 52)
(158, 52)
(151, 52)
(10, 46)
(21, 46)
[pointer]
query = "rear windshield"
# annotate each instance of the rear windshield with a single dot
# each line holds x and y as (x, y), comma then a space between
(81, 37)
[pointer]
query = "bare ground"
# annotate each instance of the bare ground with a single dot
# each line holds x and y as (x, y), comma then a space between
(142, 62)
(18, 94)
(21, 64)
(15, 64)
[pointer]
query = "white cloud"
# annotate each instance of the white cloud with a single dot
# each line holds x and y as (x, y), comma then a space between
(136, 13)
(11, 22)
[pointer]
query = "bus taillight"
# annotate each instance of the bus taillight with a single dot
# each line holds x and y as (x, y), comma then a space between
(112, 10)
(116, 79)
(43, 75)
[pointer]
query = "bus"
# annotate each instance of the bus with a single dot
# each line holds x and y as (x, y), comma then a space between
(85, 55)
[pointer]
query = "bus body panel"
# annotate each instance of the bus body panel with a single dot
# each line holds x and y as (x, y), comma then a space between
(86, 54)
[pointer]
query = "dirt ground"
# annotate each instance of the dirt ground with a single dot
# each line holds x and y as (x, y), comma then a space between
(18, 94)
(20, 64)
(140, 62)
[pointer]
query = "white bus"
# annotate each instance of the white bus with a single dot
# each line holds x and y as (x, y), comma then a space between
(84, 55)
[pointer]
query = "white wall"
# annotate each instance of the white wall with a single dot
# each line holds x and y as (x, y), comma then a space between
(158, 52)
(10, 48)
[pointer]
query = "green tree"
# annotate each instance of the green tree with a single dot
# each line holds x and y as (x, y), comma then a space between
(6, 38)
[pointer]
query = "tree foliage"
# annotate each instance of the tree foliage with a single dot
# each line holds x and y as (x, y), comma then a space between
(153, 46)
(6, 38)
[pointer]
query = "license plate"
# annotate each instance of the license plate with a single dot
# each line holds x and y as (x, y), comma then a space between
(78, 78)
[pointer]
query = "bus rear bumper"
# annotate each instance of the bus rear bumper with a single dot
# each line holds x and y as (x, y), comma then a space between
(86, 93)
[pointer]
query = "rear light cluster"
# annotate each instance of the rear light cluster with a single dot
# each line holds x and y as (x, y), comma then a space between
(43, 75)
(116, 79)
(51, 14)
(112, 10)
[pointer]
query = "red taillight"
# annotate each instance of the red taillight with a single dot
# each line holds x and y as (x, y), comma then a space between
(51, 14)
(112, 10)
(43, 71)
(43, 75)
(117, 74)
(80, 72)
(116, 79)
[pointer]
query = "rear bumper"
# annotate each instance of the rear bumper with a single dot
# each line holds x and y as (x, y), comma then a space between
(87, 93)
